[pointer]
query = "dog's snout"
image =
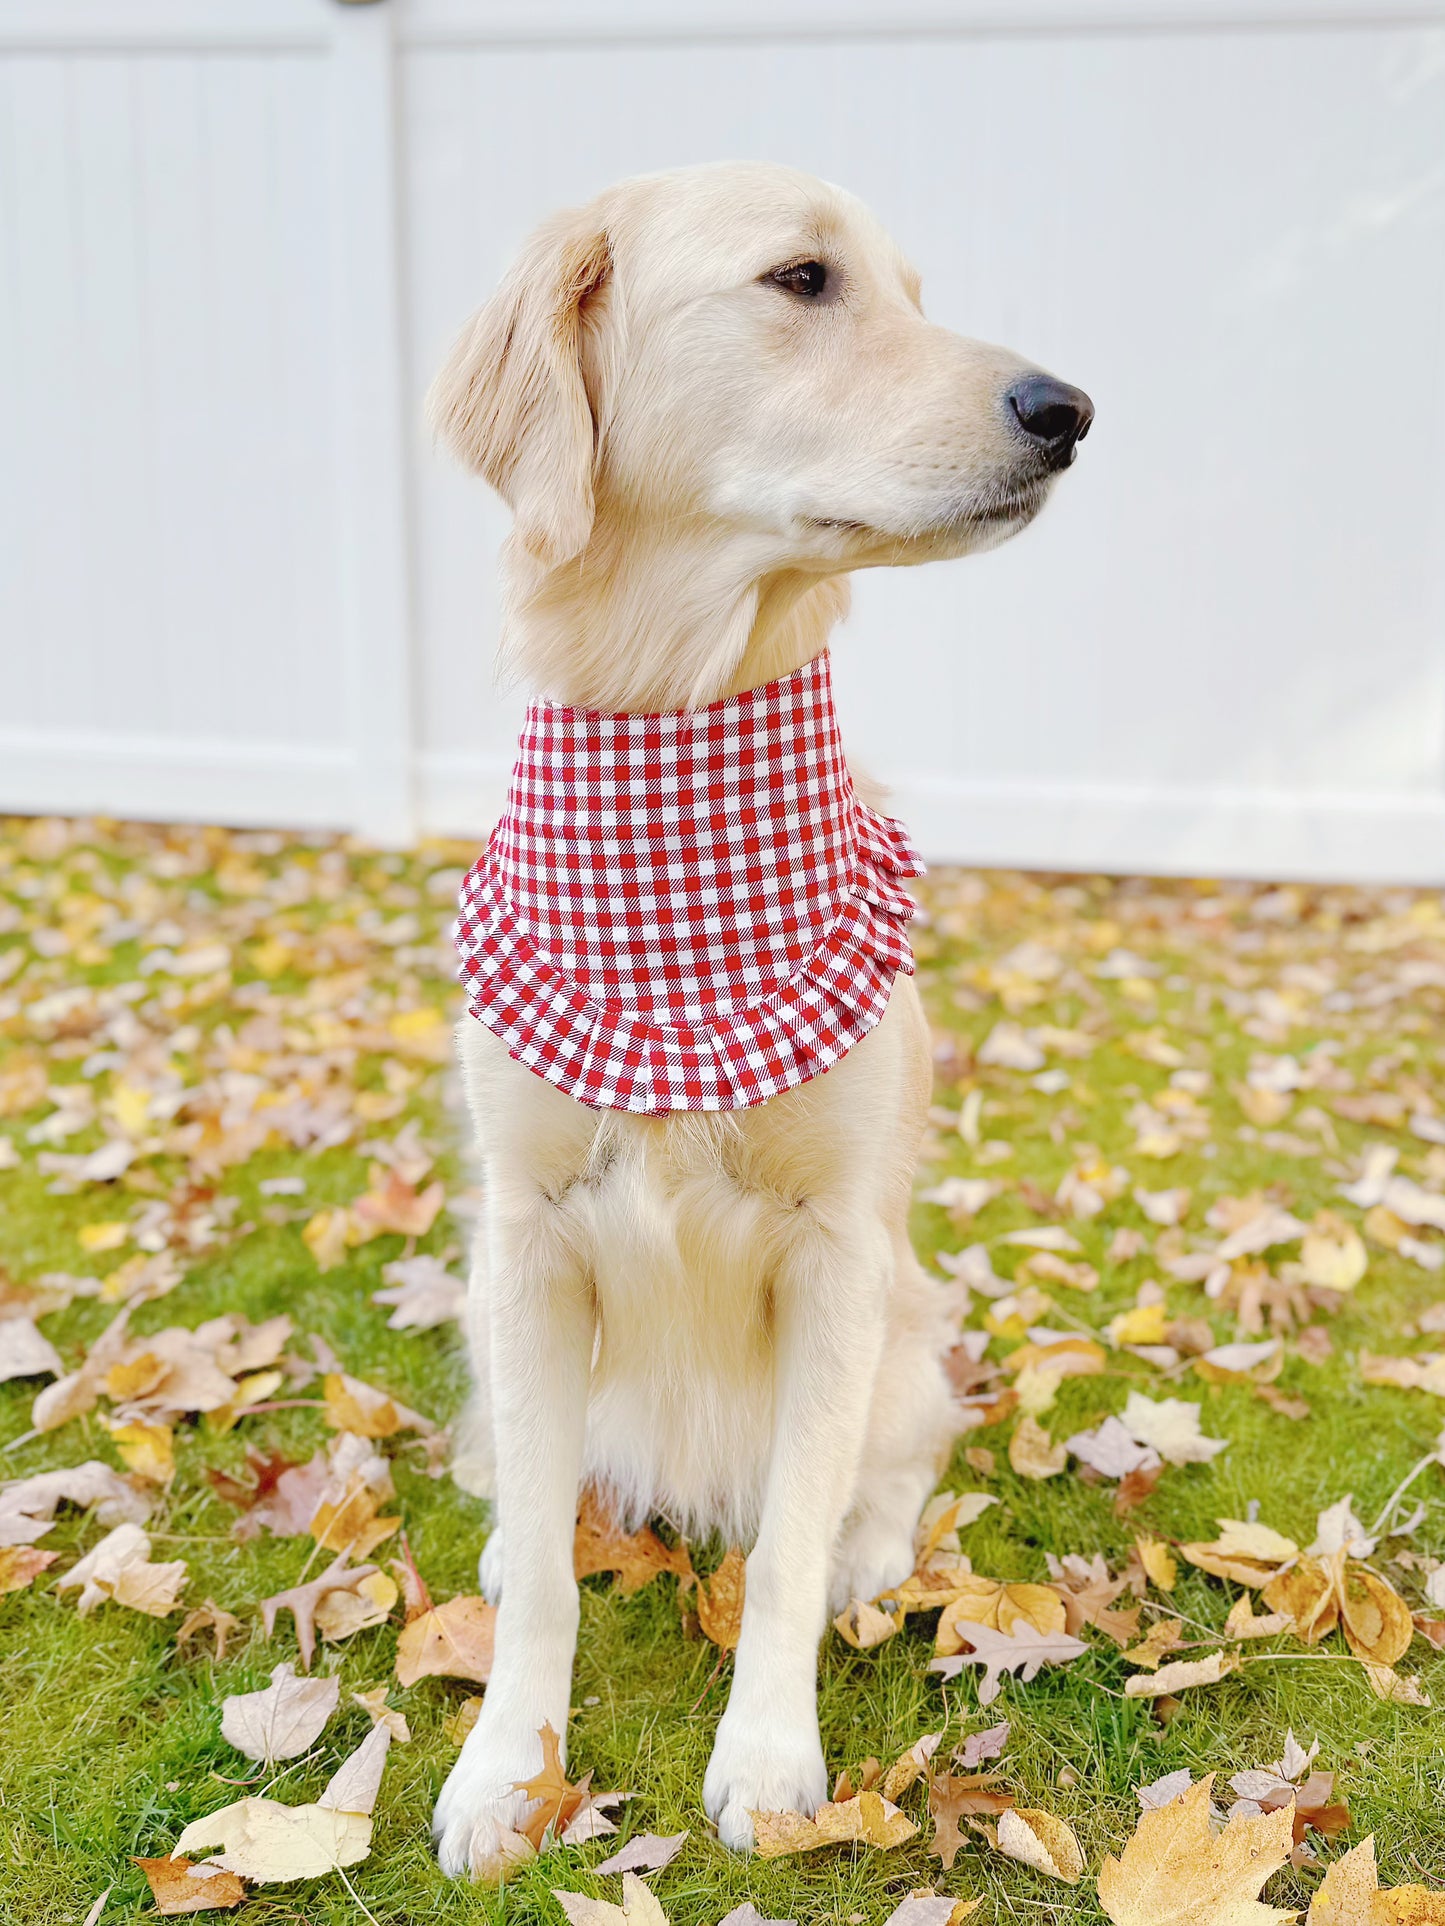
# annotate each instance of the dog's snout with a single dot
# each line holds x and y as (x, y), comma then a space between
(1054, 416)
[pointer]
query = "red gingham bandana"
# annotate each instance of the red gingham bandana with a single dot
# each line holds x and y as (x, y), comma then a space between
(689, 911)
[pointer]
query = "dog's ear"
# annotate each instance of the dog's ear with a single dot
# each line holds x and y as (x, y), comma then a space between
(511, 401)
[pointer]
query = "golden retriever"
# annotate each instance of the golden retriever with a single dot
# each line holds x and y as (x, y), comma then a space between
(707, 396)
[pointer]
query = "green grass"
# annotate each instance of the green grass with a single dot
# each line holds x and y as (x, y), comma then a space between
(111, 1739)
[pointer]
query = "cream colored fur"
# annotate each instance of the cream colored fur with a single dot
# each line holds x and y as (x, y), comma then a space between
(718, 1317)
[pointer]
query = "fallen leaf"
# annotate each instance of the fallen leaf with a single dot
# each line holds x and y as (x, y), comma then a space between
(639, 1907)
(866, 1819)
(1176, 1871)
(302, 1600)
(1332, 1253)
(341, 1614)
(1022, 1650)
(720, 1601)
(636, 1557)
(1250, 1554)
(178, 1886)
(648, 1852)
(422, 1293)
(952, 1797)
(864, 1626)
(1042, 1841)
(1160, 1567)
(392, 1204)
(453, 1641)
(991, 1602)
(282, 1719)
(979, 1747)
(21, 1565)
(1171, 1427)
(1350, 1895)
(208, 1617)
(374, 1704)
(25, 1352)
(1162, 1638)
(1032, 1453)
(1183, 1674)
(369, 1413)
(118, 1569)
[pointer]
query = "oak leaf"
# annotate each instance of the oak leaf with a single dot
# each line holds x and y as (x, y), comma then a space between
(954, 1796)
(302, 1600)
(1022, 1650)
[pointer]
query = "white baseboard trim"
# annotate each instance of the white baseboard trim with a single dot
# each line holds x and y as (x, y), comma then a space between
(1119, 828)
(157, 779)
(1273, 835)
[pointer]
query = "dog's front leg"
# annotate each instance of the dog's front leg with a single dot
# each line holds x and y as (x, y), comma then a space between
(541, 1326)
(829, 1306)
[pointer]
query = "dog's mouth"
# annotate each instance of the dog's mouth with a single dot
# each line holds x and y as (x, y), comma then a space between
(997, 510)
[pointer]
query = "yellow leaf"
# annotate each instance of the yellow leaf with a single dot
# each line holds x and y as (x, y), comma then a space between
(1180, 1676)
(1160, 1566)
(1033, 1453)
(867, 1818)
(103, 1237)
(328, 1236)
(988, 1601)
(1176, 1871)
(451, 1641)
(1040, 1840)
(1350, 1895)
(1146, 1324)
(1332, 1253)
(146, 1449)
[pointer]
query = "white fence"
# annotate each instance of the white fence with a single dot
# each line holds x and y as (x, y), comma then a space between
(235, 234)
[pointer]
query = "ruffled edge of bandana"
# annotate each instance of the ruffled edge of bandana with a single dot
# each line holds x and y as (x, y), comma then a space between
(805, 1026)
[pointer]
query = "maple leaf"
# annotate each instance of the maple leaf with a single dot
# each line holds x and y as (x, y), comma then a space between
(558, 1808)
(1350, 1895)
(640, 1906)
(369, 1413)
(1176, 1871)
(1022, 1650)
(28, 1505)
(264, 1841)
(1171, 1427)
(392, 1204)
(636, 1557)
(421, 1293)
(283, 1719)
(865, 1819)
(992, 1602)
(453, 1640)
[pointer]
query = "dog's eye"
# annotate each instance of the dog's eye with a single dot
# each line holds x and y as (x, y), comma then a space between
(805, 278)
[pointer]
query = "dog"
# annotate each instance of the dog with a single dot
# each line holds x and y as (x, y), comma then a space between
(708, 396)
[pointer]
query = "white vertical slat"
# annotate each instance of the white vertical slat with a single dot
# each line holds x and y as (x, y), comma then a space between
(371, 476)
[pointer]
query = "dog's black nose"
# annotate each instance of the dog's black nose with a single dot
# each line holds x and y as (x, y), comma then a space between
(1053, 415)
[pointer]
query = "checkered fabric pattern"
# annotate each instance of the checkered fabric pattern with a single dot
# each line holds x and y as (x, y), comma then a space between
(689, 911)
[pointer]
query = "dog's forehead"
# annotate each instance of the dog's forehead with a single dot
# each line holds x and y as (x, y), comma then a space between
(734, 221)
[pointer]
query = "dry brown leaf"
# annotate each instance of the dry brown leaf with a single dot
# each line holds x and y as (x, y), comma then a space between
(864, 1626)
(636, 1557)
(720, 1601)
(1250, 1554)
(1042, 1841)
(177, 1886)
(451, 1641)
(1022, 1650)
(1160, 1566)
(555, 1800)
(1176, 1871)
(28, 1505)
(302, 1600)
(866, 1819)
(392, 1204)
(952, 1797)
(375, 1705)
(1244, 1622)
(341, 1614)
(208, 1617)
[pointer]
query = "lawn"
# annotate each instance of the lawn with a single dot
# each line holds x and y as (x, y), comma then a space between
(213, 1044)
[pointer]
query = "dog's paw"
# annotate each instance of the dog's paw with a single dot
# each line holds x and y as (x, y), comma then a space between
(873, 1555)
(759, 1767)
(475, 1825)
(489, 1568)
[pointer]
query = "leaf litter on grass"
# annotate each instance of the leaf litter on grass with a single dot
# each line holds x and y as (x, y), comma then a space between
(1186, 1183)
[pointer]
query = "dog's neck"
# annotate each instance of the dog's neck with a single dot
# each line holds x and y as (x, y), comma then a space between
(666, 618)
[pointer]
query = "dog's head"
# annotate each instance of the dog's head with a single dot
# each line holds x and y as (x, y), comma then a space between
(743, 346)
